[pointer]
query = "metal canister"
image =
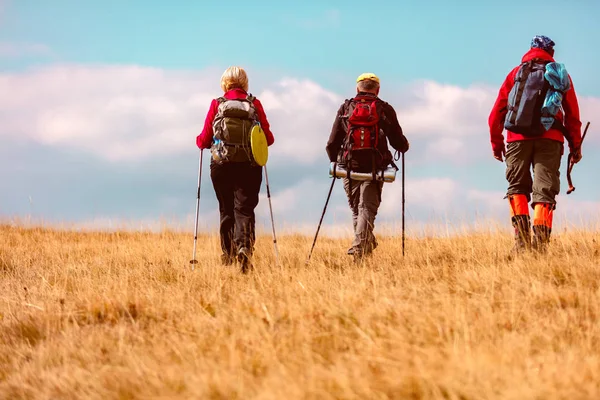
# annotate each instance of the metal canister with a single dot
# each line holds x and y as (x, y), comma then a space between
(387, 175)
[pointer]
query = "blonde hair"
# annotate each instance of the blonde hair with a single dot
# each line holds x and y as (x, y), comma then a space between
(234, 78)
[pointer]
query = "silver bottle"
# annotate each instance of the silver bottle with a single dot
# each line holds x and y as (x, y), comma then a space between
(388, 175)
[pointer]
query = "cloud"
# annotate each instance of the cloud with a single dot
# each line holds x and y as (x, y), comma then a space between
(283, 201)
(122, 113)
(447, 148)
(445, 122)
(433, 194)
(116, 113)
(303, 200)
(434, 109)
(489, 202)
(302, 112)
(451, 122)
(573, 211)
(21, 50)
(131, 130)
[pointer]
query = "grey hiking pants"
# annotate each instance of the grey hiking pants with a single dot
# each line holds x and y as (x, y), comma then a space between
(544, 156)
(364, 198)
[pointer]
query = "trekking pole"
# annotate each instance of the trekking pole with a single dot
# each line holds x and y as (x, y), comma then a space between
(321, 220)
(571, 164)
(272, 221)
(194, 261)
(403, 201)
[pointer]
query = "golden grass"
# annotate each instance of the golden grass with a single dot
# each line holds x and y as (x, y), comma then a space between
(103, 316)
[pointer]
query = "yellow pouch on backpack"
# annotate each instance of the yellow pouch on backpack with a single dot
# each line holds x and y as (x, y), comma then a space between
(259, 146)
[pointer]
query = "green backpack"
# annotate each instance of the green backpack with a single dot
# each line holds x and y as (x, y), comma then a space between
(232, 124)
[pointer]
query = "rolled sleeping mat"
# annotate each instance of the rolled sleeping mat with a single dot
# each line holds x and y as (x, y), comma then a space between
(387, 175)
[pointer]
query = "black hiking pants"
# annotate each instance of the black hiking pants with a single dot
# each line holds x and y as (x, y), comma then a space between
(237, 186)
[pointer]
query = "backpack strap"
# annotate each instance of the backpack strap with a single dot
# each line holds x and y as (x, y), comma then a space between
(346, 109)
(250, 99)
(382, 104)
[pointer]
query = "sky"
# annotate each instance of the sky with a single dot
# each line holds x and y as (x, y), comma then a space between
(100, 104)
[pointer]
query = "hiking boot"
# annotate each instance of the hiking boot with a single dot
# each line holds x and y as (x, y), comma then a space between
(244, 258)
(227, 259)
(369, 248)
(541, 238)
(522, 233)
(361, 255)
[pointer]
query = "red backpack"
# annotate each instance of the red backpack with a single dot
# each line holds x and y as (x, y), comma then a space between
(361, 151)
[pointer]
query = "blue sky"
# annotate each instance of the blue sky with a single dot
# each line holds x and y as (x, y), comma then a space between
(450, 43)
(101, 97)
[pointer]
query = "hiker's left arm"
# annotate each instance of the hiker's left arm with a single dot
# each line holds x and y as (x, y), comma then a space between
(264, 123)
(204, 139)
(572, 119)
(394, 132)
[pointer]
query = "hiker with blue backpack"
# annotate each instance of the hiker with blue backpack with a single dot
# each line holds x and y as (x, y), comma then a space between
(538, 107)
(359, 143)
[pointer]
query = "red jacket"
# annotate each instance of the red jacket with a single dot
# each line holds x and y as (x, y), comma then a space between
(570, 119)
(204, 140)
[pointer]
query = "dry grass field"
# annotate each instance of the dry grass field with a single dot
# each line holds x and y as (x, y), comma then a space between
(121, 316)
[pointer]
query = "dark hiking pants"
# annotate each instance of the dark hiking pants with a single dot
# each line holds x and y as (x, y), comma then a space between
(544, 156)
(237, 186)
(364, 198)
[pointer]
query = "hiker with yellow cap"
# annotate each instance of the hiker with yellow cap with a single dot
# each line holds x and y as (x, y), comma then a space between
(359, 143)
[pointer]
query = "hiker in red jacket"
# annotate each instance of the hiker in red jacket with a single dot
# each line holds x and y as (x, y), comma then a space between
(236, 180)
(535, 138)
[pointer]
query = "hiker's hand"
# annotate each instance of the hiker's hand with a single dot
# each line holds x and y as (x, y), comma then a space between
(576, 156)
(498, 154)
(406, 147)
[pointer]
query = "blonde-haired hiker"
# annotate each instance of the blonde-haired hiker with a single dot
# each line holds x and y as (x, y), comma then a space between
(235, 177)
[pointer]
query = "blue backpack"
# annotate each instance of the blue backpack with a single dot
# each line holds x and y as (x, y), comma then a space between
(526, 99)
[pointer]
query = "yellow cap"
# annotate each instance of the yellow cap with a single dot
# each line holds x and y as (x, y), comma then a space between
(367, 76)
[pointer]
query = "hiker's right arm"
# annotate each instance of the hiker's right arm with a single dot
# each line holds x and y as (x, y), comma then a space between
(336, 138)
(204, 140)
